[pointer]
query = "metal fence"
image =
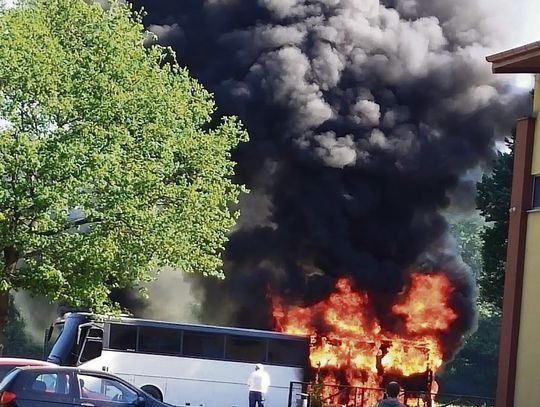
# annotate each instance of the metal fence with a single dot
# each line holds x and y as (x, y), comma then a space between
(451, 400)
(304, 394)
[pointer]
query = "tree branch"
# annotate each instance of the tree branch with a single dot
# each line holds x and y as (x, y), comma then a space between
(11, 257)
(68, 226)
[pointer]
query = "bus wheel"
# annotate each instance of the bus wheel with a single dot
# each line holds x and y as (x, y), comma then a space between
(153, 391)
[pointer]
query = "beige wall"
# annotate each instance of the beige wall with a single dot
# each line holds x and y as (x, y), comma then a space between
(527, 392)
(537, 95)
(528, 357)
(536, 156)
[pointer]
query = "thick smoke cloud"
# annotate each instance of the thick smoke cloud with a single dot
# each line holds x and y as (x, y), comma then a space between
(364, 115)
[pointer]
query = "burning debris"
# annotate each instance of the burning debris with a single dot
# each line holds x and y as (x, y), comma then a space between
(363, 115)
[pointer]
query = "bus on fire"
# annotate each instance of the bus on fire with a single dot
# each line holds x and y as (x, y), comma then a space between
(179, 363)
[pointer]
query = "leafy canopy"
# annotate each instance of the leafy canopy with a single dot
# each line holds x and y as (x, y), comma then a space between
(468, 231)
(109, 164)
(475, 365)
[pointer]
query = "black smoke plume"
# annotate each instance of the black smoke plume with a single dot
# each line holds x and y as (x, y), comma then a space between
(363, 116)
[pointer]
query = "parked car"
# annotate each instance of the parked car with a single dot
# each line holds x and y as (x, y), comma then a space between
(67, 387)
(8, 364)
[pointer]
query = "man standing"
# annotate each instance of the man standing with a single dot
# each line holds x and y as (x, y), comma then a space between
(258, 382)
(392, 393)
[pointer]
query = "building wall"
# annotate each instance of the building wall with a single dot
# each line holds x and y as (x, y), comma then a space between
(528, 357)
(527, 388)
(536, 156)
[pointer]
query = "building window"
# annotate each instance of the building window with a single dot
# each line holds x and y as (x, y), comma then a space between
(536, 193)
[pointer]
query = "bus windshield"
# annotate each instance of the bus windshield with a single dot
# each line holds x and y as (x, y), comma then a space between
(51, 339)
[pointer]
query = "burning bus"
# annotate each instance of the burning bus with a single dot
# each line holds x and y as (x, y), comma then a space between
(339, 350)
(352, 348)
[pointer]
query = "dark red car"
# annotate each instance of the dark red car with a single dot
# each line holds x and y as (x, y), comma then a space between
(8, 364)
(70, 387)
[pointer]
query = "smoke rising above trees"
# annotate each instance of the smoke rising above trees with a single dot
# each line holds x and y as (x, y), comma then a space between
(363, 116)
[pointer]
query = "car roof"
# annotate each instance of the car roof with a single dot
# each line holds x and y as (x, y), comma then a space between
(24, 362)
(69, 369)
(46, 367)
(62, 369)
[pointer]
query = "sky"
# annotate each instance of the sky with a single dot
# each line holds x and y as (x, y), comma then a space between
(527, 31)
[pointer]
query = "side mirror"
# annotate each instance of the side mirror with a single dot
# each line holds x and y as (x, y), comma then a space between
(140, 402)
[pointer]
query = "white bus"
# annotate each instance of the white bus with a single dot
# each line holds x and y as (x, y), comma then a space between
(181, 364)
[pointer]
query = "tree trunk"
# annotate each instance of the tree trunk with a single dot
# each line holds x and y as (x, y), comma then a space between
(11, 257)
(4, 309)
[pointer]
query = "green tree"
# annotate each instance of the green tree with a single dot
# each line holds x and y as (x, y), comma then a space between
(468, 234)
(483, 248)
(474, 368)
(494, 202)
(110, 166)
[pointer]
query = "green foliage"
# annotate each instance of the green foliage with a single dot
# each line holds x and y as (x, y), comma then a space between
(468, 234)
(108, 165)
(474, 370)
(483, 248)
(494, 202)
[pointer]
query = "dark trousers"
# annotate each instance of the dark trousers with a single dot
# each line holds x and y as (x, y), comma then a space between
(255, 397)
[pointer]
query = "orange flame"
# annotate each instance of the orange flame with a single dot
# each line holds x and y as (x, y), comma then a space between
(348, 338)
(426, 306)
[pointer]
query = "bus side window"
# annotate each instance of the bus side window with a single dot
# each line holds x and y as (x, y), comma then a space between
(242, 349)
(164, 341)
(287, 352)
(203, 345)
(123, 337)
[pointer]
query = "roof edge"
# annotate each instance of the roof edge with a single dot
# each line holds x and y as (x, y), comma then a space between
(514, 52)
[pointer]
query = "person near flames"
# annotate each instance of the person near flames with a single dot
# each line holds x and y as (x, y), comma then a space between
(391, 399)
(258, 382)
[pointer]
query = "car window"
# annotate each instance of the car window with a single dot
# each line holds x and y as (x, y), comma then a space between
(43, 386)
(7, 379)
(101, 388)
(5, 369)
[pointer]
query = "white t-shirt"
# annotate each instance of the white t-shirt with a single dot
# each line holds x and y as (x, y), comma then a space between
(259, 380)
